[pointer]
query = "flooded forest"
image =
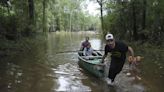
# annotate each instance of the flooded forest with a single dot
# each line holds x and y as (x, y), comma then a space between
(40, 42)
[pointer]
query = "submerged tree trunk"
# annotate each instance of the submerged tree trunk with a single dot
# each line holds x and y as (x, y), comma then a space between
(58, 24)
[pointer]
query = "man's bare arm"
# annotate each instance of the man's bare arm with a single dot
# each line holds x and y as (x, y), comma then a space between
(104, 56)
(131, 51)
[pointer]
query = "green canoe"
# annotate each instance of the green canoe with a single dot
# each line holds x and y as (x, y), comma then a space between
(92, 64)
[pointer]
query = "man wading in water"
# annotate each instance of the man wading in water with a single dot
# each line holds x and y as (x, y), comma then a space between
(118, 52)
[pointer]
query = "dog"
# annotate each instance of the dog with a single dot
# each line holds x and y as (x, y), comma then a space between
(133, 63)
(135, 60)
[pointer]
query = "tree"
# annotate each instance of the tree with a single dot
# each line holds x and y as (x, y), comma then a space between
(101, 3)
(144, 15)
(44, 15)
(31, 10)
(135, 34)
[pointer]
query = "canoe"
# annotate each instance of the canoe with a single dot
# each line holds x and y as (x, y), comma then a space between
(92, 64)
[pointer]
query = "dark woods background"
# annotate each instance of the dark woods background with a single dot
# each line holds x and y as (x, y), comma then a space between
(136, 20)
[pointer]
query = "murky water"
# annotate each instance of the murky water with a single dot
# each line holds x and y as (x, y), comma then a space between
(45, 68)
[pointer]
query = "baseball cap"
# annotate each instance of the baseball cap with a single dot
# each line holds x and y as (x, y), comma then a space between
(109, 37)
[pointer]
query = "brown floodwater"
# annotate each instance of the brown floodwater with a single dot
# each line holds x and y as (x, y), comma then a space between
(52, 66)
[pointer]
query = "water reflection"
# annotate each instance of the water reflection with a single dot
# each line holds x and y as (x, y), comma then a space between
(11, 77)
(69, 79)
(96, 44)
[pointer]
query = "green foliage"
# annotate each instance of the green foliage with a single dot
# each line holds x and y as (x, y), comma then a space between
(134, 20)
(63, 15)
(67, 15)
(21, 19)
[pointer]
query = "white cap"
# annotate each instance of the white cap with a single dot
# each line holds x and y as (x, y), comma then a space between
(109, 36)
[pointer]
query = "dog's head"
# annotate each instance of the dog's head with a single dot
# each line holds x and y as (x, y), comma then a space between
(135, 59)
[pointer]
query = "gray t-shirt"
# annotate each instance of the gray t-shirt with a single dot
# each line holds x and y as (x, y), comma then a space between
(87, 51)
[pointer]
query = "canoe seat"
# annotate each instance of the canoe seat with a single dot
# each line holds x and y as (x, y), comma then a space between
(91, 57)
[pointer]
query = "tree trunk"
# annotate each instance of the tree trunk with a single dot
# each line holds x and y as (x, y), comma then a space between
(31, 10)
(70, 22)
(44, 15)
(102, 20)
(135, 35)
(58, 24)
(144, 15)
(101, 11)
(123, 21)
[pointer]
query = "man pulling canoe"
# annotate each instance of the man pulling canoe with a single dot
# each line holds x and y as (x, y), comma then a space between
(118, 52)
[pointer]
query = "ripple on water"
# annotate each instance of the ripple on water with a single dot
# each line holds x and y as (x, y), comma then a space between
(68, 78)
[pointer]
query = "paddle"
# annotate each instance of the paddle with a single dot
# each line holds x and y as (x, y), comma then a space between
(73, 51)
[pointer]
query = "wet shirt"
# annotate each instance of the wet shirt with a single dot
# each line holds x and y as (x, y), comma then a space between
(119, 52)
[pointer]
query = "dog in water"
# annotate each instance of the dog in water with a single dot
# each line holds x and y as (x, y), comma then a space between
(133, 63)
(135, 60)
